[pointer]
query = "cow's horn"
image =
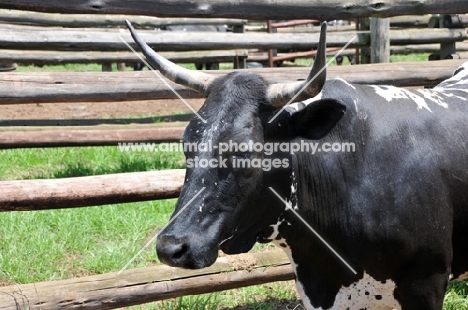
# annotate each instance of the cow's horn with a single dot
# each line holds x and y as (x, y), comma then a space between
(190, 78)
(281, 94)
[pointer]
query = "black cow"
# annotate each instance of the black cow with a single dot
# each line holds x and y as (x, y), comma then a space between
(395, 209)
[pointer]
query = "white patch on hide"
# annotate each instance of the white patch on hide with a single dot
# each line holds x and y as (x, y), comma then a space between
(275, 232)
(391, 93)
(458, 79)
(346, 82)
(367, 293)
(434, 97)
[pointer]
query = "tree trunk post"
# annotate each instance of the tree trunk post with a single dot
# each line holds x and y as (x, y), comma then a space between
(380, 40)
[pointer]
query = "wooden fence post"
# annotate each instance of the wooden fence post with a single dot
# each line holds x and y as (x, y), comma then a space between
(107, 67)
(365, 53)
(239, 62)
(380, 40)
(448, 21)
(4, 67)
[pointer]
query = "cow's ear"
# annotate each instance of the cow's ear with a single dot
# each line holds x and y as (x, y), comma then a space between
(317, 118)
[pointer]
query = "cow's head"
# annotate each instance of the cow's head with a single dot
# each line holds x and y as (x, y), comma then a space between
(224, 206)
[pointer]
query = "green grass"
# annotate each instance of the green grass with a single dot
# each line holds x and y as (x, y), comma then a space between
(91, 67)
(42, 163)
(223, 66)
(63, 68)
(393, 58)
(456, 297)
(58, 244)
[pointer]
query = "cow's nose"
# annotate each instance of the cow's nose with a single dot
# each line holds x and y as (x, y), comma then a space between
(172, 251)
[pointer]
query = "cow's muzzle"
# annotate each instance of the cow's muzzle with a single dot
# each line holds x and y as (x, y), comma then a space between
(180, 252)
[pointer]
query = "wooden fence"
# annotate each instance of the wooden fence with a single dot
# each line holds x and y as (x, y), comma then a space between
(260, 9)
(43, 87)
(143, 285)
(73, 44)
(41, 45)
(22, 26)
(149, 284)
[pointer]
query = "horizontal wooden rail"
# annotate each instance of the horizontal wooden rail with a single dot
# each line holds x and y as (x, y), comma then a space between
(29, 195)
(42, 87)
(424, 48)
(455, 21)
(407, 21)
(39, 57)
(394, 50)
(460, 56)
(44, 38)
(95, 20)
(54, 138)
(143, 285)
(88, 39)
(260, 9)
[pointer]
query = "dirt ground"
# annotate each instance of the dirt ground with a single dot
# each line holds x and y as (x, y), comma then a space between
(96, 110)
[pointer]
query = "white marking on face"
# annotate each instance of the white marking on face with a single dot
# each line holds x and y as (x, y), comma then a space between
(355, 105)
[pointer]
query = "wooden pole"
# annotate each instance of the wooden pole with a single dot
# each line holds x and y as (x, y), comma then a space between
(29, 195)
(364, 52)
(98, 39)
(410, 21)
(49, 87)
(95, 20)
(107, 67)
(447, 48)
(454, 21)
(143, 285)
(271, 52)
(380, 40)
(44, 57)
(77, 39)
(260, 9)
(55, 138)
